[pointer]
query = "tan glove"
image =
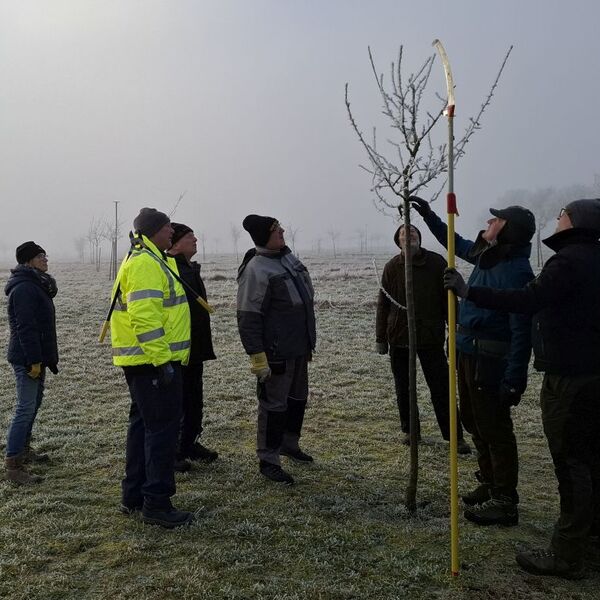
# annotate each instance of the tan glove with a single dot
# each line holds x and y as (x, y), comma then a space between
(260, 367)
(35, 370)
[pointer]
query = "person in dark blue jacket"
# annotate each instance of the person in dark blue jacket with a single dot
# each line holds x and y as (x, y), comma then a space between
(32, 348)
(494, 349)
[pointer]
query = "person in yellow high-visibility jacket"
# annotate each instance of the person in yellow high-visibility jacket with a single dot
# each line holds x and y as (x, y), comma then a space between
(150, 331)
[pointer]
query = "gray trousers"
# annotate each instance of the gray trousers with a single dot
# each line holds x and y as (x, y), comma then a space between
(281, 407)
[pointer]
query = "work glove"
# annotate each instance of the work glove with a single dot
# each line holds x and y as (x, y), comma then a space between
(166, 373)
(453, 281)
(509, 396)
(420, 205)
(35, 370)
(53, 369)
(259, 366)
(381, 347)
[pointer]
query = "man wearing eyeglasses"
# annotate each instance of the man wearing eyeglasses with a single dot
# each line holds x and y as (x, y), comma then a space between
(564, 300)
(494, 349)
(276, 322)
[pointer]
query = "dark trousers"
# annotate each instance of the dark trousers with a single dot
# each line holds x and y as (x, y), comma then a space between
(435, 369)
(154, 419)
(193, 406)
(281, 408)
(488, 421)
(571, 417)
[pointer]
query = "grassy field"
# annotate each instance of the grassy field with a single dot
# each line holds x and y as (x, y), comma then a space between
(341, 532)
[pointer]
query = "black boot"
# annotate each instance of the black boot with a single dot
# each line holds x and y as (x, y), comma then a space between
(501, 510)
(546, 562)
(201, 453)
(479, 495)
(275, 473)
(168, 518)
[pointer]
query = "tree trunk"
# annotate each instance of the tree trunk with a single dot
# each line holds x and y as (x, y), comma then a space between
(411, 490)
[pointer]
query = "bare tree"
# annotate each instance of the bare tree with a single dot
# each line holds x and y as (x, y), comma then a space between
(415, 163)
(235, 236)
(333, 236)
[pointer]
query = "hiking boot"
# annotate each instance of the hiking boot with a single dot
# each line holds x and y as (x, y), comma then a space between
(479, 495)
(201, 453)
(406, 439)
(495, 511)
(169, 519)
(182, 465)
(17, 473)
(546, 562)
(275, 473)
(463, 447)
(297, 456)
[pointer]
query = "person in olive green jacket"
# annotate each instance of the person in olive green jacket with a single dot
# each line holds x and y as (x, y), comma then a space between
(431, 315)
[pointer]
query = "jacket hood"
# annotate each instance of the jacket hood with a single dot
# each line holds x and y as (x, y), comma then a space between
(559, 240)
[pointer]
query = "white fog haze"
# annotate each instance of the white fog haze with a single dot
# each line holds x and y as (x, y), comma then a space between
(239, 105)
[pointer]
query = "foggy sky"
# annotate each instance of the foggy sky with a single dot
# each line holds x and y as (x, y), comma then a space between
(240, 103)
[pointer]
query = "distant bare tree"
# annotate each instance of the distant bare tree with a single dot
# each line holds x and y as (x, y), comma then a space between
(415, 163)
(291, 233)
(97, 232)
(216, 241)
(333, 236)
(236, 232)
(79, 243)
(202, 239)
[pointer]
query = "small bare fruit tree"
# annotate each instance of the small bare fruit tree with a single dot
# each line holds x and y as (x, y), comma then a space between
(411, 161)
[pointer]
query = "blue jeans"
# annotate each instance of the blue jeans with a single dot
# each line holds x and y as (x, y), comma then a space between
(29, 397)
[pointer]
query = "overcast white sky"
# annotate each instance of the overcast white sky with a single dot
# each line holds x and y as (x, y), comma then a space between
(240, 103)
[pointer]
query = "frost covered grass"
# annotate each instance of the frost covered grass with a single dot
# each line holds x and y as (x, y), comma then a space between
(341, 532)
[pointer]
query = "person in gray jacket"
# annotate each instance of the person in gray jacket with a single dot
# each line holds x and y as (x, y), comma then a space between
(276, 322)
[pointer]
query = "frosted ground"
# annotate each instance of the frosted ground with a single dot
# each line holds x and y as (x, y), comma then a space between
(341, 532)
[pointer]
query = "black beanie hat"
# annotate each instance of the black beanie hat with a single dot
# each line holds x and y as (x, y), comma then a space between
(28, 250)
(260, 228)
(149, 221)
(397, 235)
(519, 227)
(585, 214)
(179, 230)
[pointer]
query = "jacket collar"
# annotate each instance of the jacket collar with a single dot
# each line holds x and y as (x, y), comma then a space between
(576, 235)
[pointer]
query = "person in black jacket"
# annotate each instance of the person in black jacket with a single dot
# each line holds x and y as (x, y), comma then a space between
(32, 348)
(183, 248)
(565, 301)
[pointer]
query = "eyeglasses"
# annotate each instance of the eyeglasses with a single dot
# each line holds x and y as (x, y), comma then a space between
(563, 211)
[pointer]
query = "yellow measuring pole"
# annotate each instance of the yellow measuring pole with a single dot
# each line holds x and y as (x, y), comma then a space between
(451, 211)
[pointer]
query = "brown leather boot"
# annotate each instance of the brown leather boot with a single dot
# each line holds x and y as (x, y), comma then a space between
(16, 472)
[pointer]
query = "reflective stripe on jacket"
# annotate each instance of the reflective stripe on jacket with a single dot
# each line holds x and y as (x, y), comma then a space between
(151, 320)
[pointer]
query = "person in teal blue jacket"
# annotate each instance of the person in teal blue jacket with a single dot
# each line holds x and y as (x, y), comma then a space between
(493, 349)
